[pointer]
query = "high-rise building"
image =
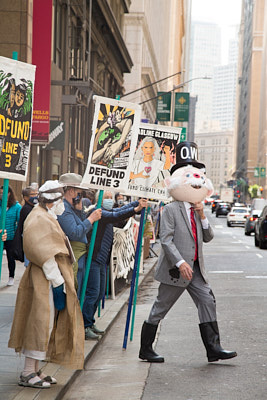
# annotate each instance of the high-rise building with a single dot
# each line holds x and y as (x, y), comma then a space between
(215, 150)
(224, 95)
(251, 78)
(205, 54)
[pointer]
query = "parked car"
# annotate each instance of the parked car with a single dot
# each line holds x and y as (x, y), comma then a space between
(237, 216)
(213, 205)
(251, 221)
(222, 209)
(261, 230)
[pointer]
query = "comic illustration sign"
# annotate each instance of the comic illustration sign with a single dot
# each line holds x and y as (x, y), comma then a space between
(153, 159)
(113, 142)
(16, 103)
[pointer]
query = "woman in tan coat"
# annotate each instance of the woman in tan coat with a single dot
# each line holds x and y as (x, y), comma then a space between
(47, 323)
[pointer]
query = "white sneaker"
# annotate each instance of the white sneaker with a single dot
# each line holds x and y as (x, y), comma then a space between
(10, 282)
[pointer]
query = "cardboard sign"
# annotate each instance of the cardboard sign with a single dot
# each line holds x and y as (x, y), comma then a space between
(113, 143)
(153, 159)
(16, 104)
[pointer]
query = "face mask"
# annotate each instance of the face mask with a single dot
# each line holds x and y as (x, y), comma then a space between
(77, 199)
(120, 202)
(108, 204)
(59, 208)
(33, 200)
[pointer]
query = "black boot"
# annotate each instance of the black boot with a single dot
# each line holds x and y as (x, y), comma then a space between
(148, 334)
(211, 338)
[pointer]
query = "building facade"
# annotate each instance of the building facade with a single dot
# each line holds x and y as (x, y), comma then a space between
(99, 47)
(216, 151)
(250, 89)
(205, 54)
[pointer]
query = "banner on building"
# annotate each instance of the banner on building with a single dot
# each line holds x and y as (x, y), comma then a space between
(181, 107)
(153, 159)
(113, 142)
(56, 136)
(41, 57)
(16, 104)
(164, 106)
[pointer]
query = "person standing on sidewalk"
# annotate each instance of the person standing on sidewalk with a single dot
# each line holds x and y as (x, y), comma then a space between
(30, 196)
(74, 227)
(12, 219)
(184, 228)
(47, 323)
(95, 289)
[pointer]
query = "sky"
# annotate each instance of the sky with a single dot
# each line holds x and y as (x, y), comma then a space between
(226, 13)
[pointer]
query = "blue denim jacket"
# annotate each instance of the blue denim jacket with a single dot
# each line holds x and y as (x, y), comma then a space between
(72, 225)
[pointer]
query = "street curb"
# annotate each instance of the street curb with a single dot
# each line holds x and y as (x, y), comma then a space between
(66, 377)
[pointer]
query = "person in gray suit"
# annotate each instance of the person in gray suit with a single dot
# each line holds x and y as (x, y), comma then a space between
(184, 228)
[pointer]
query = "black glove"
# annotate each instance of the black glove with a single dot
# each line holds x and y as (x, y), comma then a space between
(59, 297)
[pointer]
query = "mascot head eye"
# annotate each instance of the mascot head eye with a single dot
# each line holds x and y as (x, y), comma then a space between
(188, 175)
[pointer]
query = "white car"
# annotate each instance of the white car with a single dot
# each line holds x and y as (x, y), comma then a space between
(238, 216)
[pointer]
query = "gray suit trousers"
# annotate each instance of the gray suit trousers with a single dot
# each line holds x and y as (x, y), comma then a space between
(199, 291)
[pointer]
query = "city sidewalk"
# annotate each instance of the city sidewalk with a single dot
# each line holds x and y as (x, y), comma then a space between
(11, 364)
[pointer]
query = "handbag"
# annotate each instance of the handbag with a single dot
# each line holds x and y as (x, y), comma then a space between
(17, 244)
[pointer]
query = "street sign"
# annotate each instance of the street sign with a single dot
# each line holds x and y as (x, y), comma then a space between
(181, 107)
(164, 106)
(263, 172)
(256, 172)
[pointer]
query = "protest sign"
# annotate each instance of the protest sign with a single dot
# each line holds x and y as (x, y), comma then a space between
(16, 104)
(153, 159)
(113, 142)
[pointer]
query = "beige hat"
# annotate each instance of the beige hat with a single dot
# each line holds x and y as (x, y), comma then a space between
(71, 179)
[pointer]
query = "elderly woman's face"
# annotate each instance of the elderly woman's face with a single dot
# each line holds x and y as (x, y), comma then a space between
(148, 148)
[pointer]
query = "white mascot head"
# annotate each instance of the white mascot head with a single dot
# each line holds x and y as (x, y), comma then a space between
(188, 181)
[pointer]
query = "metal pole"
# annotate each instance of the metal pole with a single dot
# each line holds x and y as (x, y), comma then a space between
(4, 200)
(151, 84)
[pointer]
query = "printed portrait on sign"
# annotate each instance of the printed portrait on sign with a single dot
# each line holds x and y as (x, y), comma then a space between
(153, 159)
(16, 102)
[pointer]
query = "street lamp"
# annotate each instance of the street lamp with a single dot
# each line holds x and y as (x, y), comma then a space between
(151, 84)
(175, 88)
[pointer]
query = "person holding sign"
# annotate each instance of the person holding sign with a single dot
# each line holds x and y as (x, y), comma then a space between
(97, 276)
(47, 306)
(12, 219)
(73, 225)
(147, 164)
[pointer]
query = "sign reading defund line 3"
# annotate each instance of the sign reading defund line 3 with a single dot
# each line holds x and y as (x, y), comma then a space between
(113, 142)
(16, 104)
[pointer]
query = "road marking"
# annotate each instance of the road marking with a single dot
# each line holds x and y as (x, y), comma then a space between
(247, 247)
(226, 272)
(239, 241)
(257, 277)
(234, 237)
(219, 226)
(259, 255)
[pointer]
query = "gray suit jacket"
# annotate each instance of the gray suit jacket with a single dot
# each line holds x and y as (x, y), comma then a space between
(178, 243)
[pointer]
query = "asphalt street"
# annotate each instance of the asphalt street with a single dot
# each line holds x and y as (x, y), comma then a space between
(238, 277)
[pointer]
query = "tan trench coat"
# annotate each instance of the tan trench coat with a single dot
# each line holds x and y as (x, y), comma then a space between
(43, 239)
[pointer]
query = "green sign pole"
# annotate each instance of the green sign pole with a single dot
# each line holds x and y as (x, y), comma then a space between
(137, 275)
(90, 252)
(4, 200)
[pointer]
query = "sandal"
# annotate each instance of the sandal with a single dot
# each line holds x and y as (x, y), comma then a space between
(41, 384)
(47, 378)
